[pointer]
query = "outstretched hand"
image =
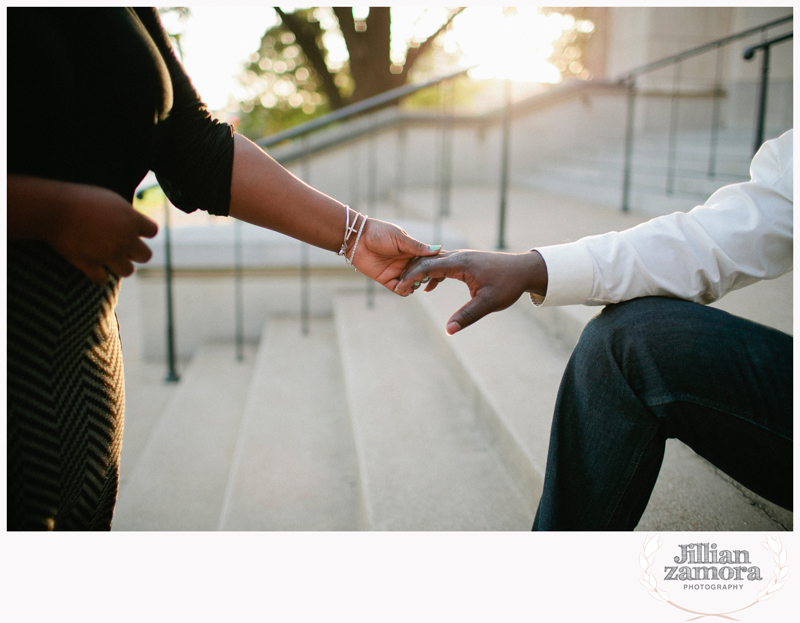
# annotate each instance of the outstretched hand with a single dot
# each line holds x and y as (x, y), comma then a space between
(384, 250)
(495, 280)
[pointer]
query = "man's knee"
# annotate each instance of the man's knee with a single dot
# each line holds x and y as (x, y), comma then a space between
(636, 334)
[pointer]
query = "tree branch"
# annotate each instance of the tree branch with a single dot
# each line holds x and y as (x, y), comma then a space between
(307, 40)
(347, 24)
(414, 53)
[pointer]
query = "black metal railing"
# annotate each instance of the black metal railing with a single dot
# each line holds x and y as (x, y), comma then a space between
(296, 145)
(172, 368)
(630, 78)
(761, 114)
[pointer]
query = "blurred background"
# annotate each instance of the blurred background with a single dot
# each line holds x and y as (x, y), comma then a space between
(494, 128)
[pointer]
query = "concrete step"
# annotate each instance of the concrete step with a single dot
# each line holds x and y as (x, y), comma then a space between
(515, 367)
(295, 465)
(675, 504)
(180, 478)
(596, 172)
(425, 461)
(147, 395)
(648, 184)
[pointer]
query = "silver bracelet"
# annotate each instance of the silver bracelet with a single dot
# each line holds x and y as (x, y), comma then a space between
(349, 229)
(358, 237)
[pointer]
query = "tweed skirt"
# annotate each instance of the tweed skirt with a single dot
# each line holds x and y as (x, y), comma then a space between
(66, 396)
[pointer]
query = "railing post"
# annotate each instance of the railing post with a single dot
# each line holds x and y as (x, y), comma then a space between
(447, 149)
(715, 115)
(762, 100)
(172, 374)
(304, 289)
(400, 169)
(372, 166)
(372, 191)
(443, 165)
(749, 53)
(355, 180)
(506, 148)
(238, 291)
(673, 127)
(304, 261)
(626, 174)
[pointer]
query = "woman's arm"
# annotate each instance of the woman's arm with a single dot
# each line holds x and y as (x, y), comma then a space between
(265, 194)
(92, 227)
(200, 163)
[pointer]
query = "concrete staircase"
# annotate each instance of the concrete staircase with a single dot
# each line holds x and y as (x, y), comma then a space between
(376, 420)
(596, 172)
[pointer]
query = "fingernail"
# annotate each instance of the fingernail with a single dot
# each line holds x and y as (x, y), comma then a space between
(416, 283)
(435, 247)
(426, 280)
(452, 327)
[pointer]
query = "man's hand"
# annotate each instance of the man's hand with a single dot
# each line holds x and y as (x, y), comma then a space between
(93, 228)
(384, 250)
(495, 280)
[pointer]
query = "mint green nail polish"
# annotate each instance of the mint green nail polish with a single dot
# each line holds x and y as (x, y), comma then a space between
(416, 283)
(426, 280)
(435, 247)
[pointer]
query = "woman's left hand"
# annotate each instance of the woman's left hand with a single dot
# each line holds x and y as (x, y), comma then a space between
(384, 250)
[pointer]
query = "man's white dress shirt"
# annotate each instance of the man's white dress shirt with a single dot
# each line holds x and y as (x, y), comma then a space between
(742, 234)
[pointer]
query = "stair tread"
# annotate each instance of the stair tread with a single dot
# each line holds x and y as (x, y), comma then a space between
(295, 467)
(179, 481)
(424, 461)
(516, 363)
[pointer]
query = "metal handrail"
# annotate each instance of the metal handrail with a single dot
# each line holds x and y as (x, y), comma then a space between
(447, 119)
(629, 79)
(749, 54)
(550, 97)
(353, 110)
(664, 62)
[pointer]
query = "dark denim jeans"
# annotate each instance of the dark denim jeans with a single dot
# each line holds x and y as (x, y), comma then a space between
(657, 368)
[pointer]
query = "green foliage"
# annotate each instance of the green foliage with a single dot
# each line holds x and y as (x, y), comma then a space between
(287, 90)
(293, 80)
(458, 93)
(287, 86)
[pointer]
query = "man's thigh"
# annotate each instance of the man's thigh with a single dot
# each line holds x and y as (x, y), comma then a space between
(720, 383)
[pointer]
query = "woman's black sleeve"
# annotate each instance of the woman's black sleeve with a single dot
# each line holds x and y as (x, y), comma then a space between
(192, 155)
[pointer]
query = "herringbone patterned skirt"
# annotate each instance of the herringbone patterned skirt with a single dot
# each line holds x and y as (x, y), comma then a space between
(65, 394)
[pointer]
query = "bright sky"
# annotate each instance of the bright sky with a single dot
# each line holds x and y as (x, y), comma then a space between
(217, 41)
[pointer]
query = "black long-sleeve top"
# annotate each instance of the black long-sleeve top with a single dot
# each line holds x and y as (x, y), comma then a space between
(96, 96)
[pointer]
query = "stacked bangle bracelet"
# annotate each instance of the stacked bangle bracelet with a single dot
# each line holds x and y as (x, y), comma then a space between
(349, 230)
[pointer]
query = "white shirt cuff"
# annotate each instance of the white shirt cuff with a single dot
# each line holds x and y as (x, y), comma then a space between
(570, 274)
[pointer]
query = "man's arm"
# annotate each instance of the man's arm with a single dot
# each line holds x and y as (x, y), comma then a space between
(742, 234)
